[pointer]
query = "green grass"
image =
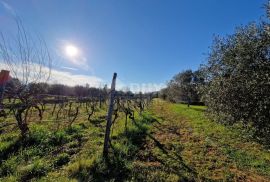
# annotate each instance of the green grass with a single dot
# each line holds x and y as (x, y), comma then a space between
(168, 142)
(234, 141)
(231, 144)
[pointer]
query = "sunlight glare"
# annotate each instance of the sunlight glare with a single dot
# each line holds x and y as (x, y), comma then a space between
(71, 50)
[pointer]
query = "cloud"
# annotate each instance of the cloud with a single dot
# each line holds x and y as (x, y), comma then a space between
(69, 68)
(146, 87)
(56, 76)
(8, 8)
(139, 87)
(70, 79)
(79, 61)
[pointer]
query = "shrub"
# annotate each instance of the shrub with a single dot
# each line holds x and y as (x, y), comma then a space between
(238, 78)
(183, 87)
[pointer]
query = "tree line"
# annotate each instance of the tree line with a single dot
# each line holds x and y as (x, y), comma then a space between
(55, 89)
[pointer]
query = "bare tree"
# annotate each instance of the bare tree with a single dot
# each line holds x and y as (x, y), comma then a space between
(28, 60)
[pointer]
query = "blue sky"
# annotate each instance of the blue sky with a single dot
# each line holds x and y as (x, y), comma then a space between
(144, 41)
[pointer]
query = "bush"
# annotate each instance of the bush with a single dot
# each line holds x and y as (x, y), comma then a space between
(183, 87)
(238, 78)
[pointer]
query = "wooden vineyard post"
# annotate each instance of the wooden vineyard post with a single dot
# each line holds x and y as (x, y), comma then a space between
(109, 118)
(99, 100)
(4, 76)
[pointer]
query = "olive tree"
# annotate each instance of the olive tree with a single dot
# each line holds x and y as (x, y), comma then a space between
(183, 87)
(237, 77)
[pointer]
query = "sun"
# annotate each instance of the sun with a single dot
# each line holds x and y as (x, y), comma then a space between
(71, 50)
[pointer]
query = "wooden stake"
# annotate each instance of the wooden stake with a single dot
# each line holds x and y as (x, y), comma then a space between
(109, 118)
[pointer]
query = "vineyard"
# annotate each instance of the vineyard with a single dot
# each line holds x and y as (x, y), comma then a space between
(50, 130)
(62, 117)
(119, 136)
(64, 138)
(150, 140)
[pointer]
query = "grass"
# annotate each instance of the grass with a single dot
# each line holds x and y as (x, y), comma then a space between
(233, 141)
(216, 152)
(168, 142)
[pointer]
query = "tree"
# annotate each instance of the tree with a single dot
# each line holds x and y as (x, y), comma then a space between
(81, 91)
(29, 61)
(238, 77)
(183, 87)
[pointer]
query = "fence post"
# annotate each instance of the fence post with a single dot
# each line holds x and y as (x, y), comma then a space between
(100, 99)
(4, 76)
(109, 118)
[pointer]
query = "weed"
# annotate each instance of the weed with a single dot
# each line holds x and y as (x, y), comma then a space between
(61, 160)
(37, 168)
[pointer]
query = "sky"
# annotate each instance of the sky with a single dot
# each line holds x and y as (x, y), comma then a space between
(146, 42)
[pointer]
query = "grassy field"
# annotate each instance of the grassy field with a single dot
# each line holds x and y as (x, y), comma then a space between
(169, 142)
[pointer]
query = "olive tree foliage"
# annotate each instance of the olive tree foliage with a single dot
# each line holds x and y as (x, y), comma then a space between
(29, 62)
(183, 87)
(237, 78)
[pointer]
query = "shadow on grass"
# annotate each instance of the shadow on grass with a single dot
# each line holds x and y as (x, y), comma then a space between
(97, 122)
(119, 165)
(113, 168)
(12, 148)
(178, 167)
(38, 144)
